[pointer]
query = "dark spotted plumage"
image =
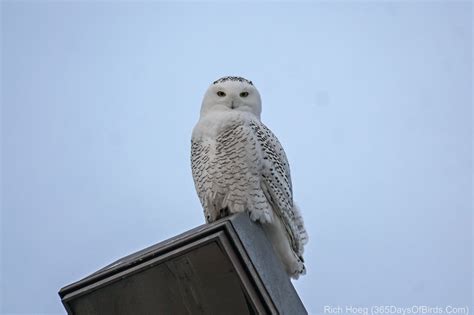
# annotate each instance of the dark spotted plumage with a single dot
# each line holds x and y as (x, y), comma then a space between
(232, 78)
(246, 168)
(239, 165)
(277, 184)
(227, 173)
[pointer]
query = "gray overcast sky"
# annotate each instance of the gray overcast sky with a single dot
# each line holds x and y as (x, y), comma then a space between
(372, 102)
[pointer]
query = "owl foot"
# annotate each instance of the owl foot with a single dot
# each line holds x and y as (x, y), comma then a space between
(297, 269)
(224, 212)
(261, 216)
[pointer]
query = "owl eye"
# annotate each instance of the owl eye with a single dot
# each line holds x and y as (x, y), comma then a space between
(220, 94)
(244, 94)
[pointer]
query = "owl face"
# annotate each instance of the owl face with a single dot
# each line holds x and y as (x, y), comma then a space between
(232, 94)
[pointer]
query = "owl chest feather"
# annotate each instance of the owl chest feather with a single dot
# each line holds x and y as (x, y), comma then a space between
(227, 165)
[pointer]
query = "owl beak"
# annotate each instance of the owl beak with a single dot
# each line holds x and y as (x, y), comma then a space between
(232, 105)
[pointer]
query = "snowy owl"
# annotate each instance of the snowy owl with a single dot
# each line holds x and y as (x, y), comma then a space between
(239, 165)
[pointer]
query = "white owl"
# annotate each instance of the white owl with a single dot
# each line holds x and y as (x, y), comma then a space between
(239, 165)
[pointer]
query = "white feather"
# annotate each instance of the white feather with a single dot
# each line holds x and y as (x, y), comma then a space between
(239, 165)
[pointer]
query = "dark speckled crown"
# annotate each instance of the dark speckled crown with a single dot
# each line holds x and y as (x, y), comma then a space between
(230, 78)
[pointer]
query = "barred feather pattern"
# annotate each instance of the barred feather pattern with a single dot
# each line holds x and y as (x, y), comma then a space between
(244, 168)
(276, 177)
(226, 175)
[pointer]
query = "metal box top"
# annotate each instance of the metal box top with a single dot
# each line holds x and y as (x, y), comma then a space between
(227, 267)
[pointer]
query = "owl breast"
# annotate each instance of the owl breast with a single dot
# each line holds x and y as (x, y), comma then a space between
(227, 166)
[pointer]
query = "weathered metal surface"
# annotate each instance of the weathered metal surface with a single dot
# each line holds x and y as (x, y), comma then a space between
(268, 266)
(227, 267)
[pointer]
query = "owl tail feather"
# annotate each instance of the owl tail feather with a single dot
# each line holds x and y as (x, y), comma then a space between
(302, 234)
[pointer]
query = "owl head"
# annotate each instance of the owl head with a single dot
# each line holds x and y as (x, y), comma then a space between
(232, 94)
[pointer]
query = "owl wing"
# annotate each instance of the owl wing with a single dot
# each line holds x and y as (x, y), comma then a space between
(276, 184)
(200, 163)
